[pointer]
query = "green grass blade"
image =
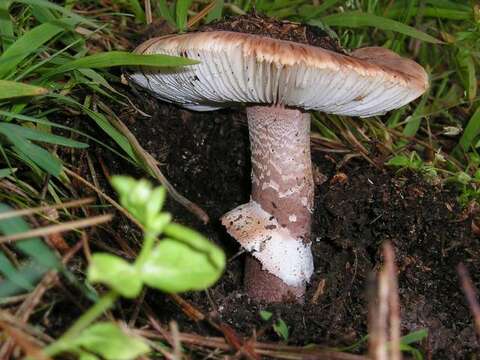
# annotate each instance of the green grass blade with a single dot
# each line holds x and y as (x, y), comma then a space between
(13, 89)
(10, 273)
(29, 43)
(412, 126)
(181, 13)
(468, 74)
(216, 12)
(37, 135)
(437, 13)
(414, 337)
(105, 125)
(166, 13)
(6, 172)
(120, 58)
(356, 19)
(41, 157)
(73, 103)
(63, 10)
(447, 4)
(34, 247)
(32, 273)
(310, 11)
(6, 25)
(471, 131)
(137, 10)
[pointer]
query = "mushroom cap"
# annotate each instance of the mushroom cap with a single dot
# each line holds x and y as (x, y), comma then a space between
(239, 68)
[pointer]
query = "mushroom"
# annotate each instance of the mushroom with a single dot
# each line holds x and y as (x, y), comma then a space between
(278, 82)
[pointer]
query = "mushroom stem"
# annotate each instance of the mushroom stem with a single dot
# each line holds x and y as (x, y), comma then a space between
(275, 226)
(282, 180)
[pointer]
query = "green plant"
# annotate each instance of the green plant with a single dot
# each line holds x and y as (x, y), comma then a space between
(279, 326)
(412, 162)
(405, 343)
(182, 260)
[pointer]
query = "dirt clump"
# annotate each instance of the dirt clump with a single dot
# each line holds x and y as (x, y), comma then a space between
(276, 29)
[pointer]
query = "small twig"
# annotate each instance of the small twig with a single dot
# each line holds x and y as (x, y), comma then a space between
(22, 340)
(148, 12)
(29, 211)
(273, 350)
(318, 292)
(239, 252)
(381, 352)
(471, 294)
(187, 308)
(201, 14)
(393, 301)
(136, 310)
(384, 313)
(66, 226)
(177, 343)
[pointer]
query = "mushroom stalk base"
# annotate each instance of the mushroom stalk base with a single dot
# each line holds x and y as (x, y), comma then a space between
(275, 226)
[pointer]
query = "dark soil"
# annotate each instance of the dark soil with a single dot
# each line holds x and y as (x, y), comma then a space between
(206, 157)
(357, 207)
(276, 29)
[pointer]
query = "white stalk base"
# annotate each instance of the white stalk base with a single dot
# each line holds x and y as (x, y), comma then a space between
(280, 254)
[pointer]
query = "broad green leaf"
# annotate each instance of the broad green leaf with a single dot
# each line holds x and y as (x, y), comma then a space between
(196, 241)
(37, 135)
(265, 315)
(13, 89)
(109, 341)
(181, 13)
(86, 356)
(27, 44)
(281, 328)
(174, 266)
(121, 58)
(471, 130)
(356, 19)
(143, 202)
(116, 273)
